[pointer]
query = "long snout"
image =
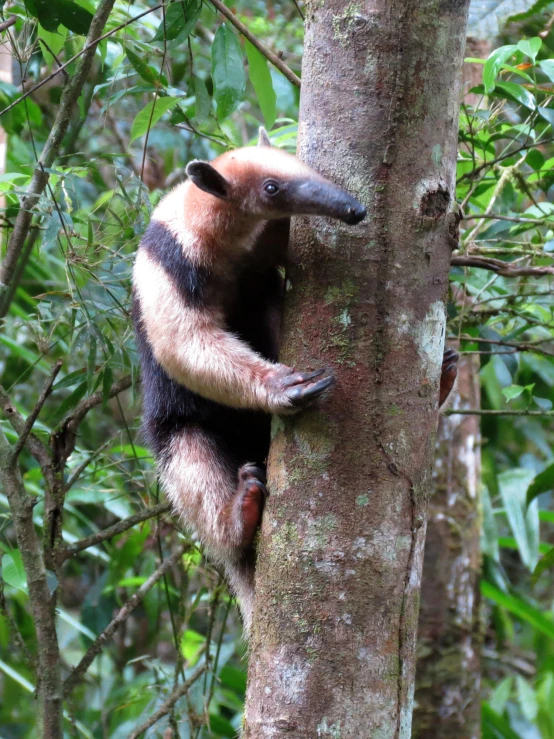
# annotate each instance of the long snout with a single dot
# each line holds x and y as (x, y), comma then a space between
(322, 198)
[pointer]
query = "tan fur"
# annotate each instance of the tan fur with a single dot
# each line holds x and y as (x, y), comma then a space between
(197, 481)
(193, 347)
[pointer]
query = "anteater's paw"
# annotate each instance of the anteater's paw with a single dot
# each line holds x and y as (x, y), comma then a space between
(250, 499)
(295, 390)
(449, 374)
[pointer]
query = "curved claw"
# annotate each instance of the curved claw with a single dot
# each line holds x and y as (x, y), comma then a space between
(299, 395)
(297, 378)
(450, 355)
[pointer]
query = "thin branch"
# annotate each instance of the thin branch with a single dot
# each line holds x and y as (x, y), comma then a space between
(190, 128)
(85, 405)
(96, 647)
(269, 55)
(115, 530)
(473, 174)
(166, 707)
(33, 415)
(523, 347)
(39, 450)
(505, 269)
(11, 21)
(499, 217)
(479, 412)
(63, 440)
(82, 467)
(39, 181)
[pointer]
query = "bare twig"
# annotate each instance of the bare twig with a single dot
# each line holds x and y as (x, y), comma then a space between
(269, 55)
(82, 467)
(33, 415)
(499, 217)
(41, 175)
(522, 347)
(479, 412)
(116, 529)
(191, 129)
(98, 644)
(39, 450)
(11, 21)
(505, 269)
(166, 707)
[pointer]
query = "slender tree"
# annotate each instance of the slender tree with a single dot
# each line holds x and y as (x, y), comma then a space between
(448, 676)
(341, 549)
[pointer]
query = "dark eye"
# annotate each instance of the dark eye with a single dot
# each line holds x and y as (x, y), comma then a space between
(271, 187)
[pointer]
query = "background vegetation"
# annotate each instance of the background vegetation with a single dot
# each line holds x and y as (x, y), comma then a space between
(168, 84)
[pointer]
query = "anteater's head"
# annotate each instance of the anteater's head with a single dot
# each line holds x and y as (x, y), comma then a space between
(266, 182)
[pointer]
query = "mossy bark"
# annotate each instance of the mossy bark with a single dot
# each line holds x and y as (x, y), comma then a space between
(448, 667)
(341, 546)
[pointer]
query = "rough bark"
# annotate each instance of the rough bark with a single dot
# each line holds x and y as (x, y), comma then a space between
(448, 668)
(341, 547)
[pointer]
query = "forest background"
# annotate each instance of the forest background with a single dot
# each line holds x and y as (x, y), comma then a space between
(145, 620)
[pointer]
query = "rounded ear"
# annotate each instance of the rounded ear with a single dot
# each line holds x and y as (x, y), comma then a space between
(263, 138)
(207, 178)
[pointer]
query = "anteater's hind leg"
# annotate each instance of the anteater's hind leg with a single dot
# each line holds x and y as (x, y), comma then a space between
(224, 505)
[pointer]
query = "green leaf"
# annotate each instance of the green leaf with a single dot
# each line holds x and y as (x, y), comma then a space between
(68, 404)
(203, 104)
(547, 66)
(150, 115)
(546, 562)
(501, 694)
(530, 47)
(227, 72)
(496, 726)
(523, 520)
(493, 65)
(52, 13)
(518, 93)
(191, 644)
(520, 608)
(547, 114)
(180, 20)
(221, 727)
(535, 159)
(514, 391)
(54, 42)
(13, 572)
(143, 69)
(527, 699)
(262, 84)
(233, 678)
(542, 483)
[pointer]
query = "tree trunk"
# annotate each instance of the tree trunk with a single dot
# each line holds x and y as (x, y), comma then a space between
(448, 668)
(448, 678)
(341, 547)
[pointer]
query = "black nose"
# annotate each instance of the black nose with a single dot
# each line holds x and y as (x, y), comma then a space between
(355, 214)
